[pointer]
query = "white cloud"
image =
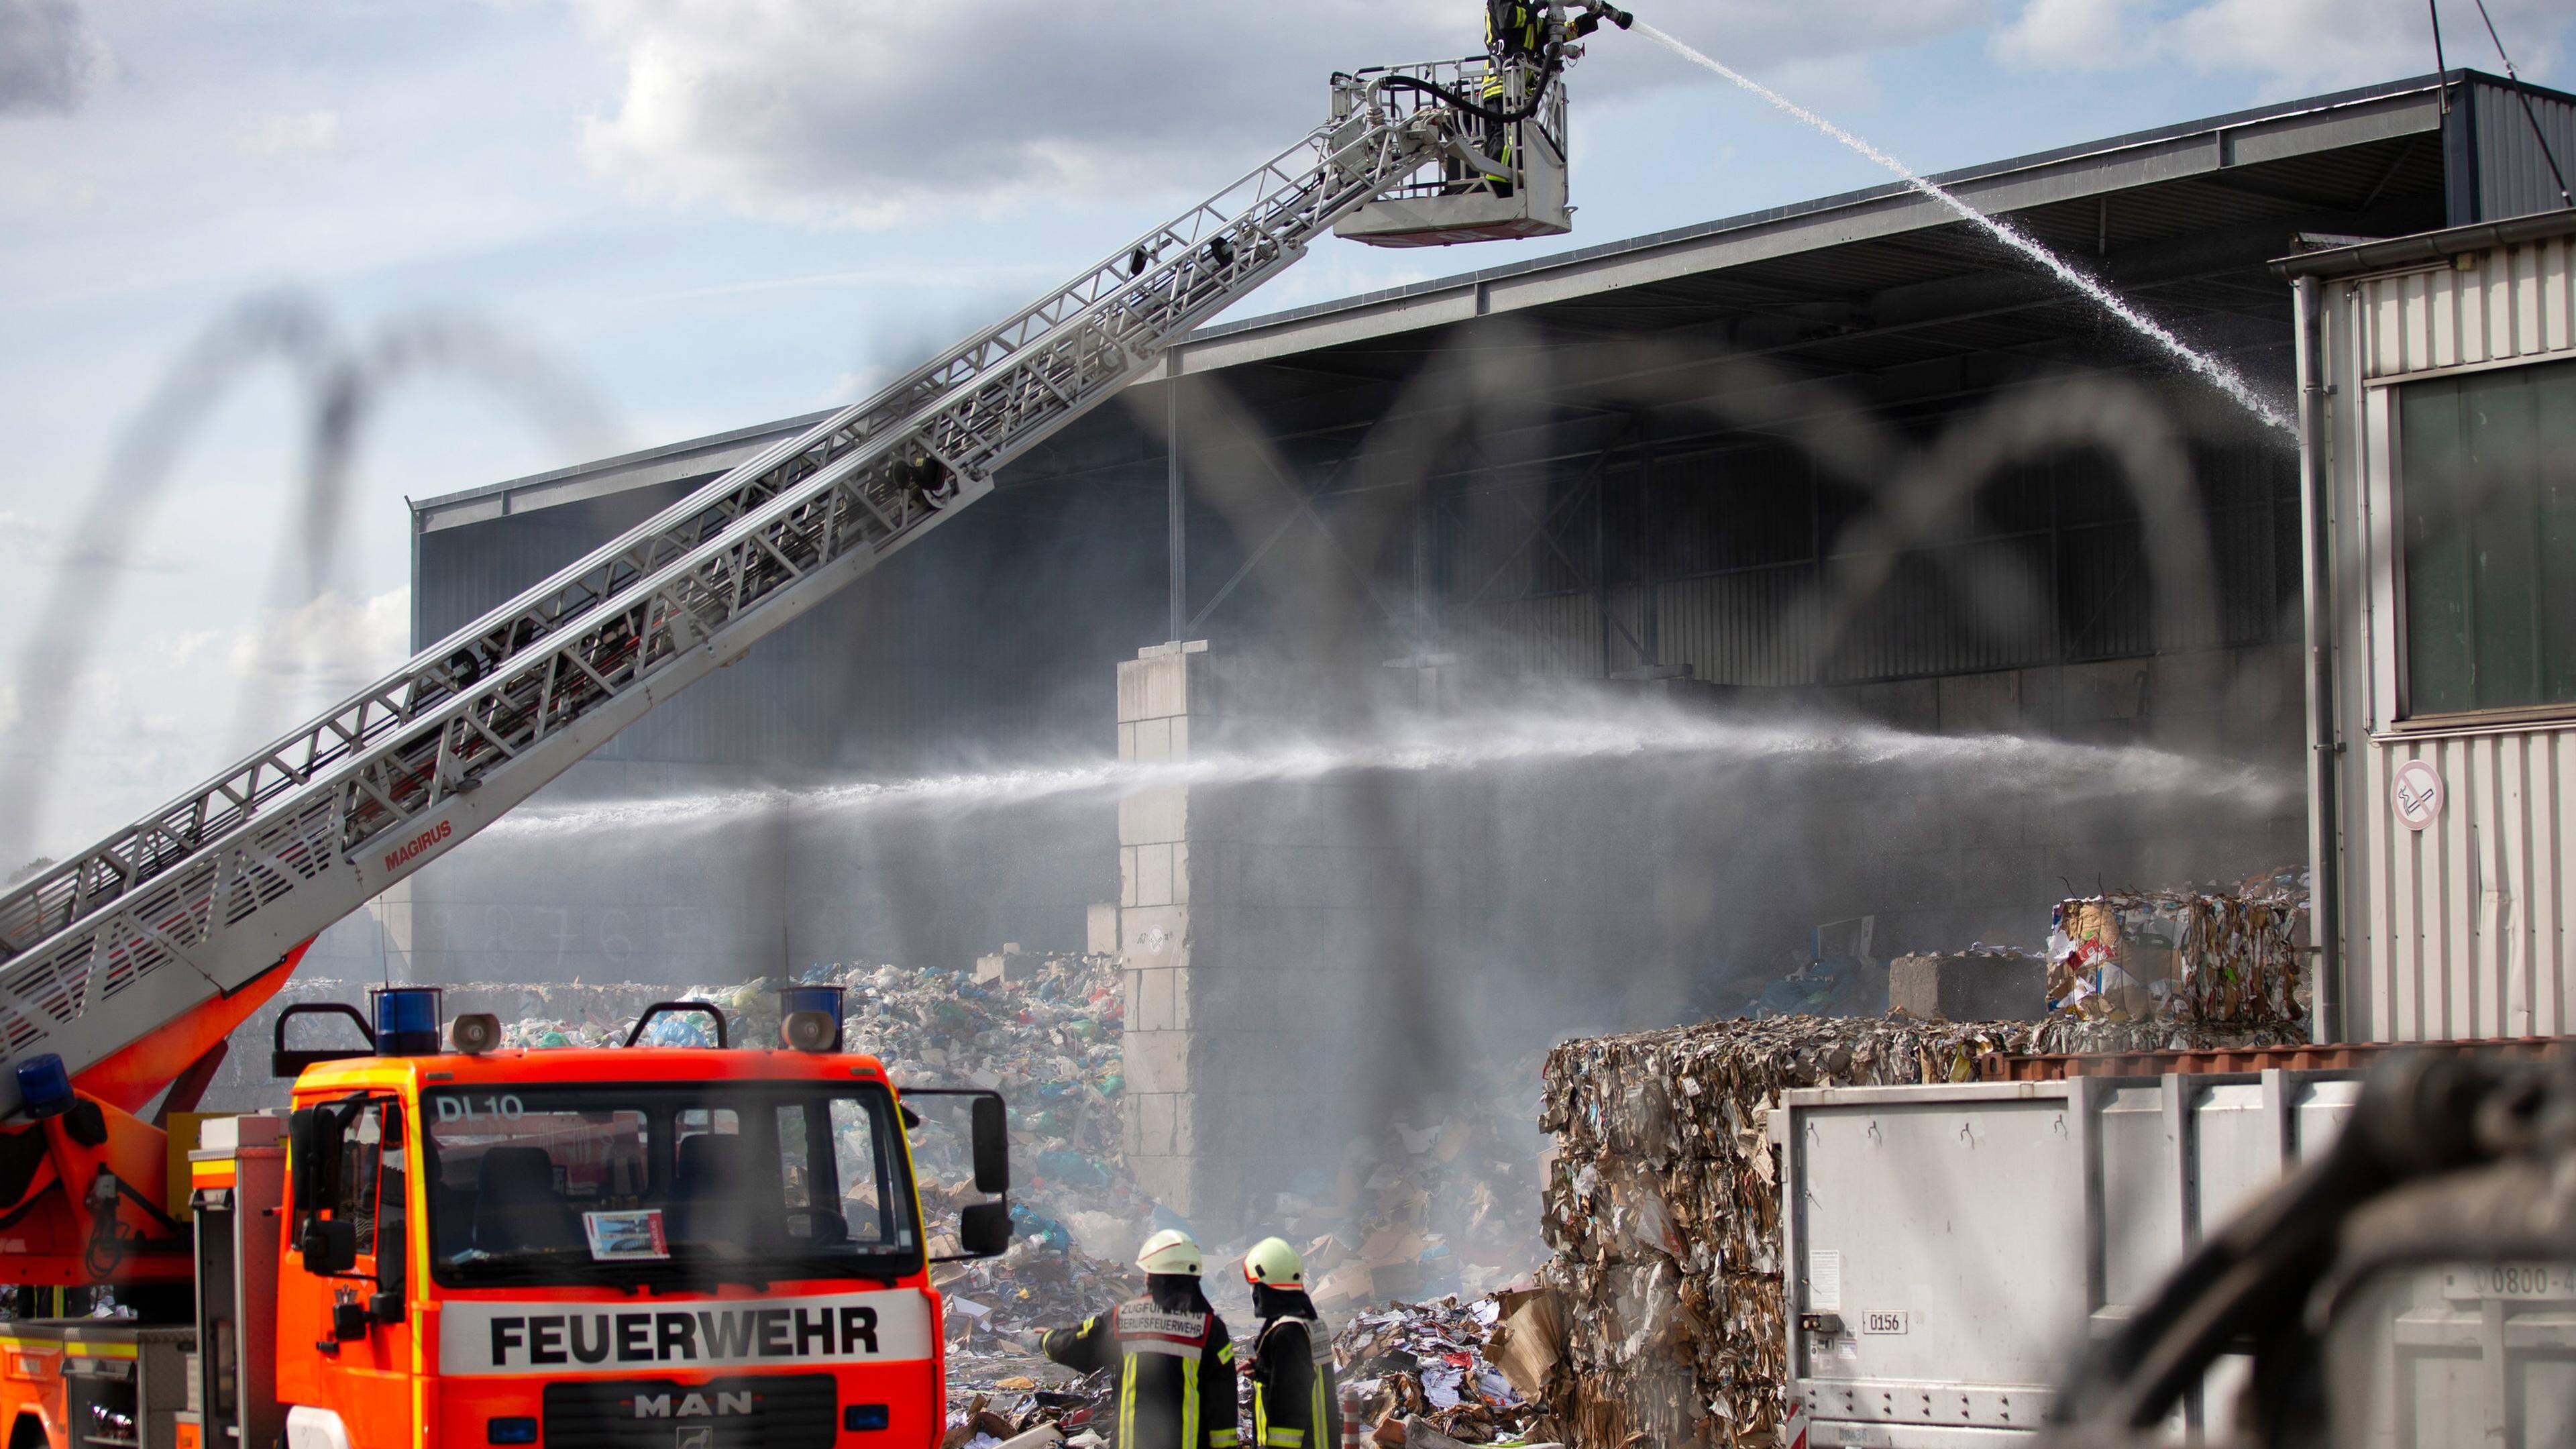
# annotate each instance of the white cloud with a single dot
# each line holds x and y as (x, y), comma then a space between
(320, 651)
(861, 112)
(50, 57)
(2067, 34)
(29, 540)
(288, 133)
(2290, 45)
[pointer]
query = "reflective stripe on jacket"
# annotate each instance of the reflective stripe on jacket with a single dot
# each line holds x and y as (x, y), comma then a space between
(1513, 27)
(1296, 1403)
(1175, 1373)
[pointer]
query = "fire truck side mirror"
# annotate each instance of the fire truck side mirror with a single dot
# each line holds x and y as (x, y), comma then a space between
(328, 1246)
(992, 1149)
(984, 1230)
(311, 1135)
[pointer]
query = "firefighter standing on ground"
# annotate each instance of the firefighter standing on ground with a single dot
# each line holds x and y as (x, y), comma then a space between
(1175, 1364)
(1295, 1402)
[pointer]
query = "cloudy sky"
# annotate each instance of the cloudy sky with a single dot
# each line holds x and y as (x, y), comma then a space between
(560, 227)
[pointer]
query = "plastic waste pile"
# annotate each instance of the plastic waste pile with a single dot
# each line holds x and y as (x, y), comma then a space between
(2196, 962)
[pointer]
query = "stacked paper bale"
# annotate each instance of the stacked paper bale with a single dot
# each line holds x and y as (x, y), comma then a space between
(1662, 1205)
(2210, 961)
(1663, 1210)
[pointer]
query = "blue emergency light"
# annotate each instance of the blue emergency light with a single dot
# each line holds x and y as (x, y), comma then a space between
(407, 1019)
(825, 999)
(44, 1086)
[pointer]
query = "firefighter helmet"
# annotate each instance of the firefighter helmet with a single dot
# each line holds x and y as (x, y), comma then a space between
(1169, 1251)
(1275, 1264)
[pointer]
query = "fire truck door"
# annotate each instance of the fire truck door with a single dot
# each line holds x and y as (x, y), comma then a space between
(349, 1325)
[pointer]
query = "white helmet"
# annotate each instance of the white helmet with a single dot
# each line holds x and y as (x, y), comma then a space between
(1274, 1263)
(1169, 1251)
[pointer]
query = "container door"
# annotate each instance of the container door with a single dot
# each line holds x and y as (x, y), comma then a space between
(1941, 1277)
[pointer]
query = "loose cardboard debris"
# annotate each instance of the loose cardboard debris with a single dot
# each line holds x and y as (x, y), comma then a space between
(1421, 1374)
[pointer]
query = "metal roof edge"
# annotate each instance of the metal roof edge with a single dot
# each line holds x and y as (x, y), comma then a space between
(621, 460)
(1582, 256)
(2428, 246)
(1697, 231)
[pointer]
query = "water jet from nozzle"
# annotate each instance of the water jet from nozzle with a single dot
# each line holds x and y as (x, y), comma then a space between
(2227, 379)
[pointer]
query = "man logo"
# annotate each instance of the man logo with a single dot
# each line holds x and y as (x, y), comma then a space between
(692, 1406)
(702, 1436)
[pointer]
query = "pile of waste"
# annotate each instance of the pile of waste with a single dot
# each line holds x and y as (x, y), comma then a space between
(2200, 961)
(1662, 1205)
(1663, 1210)
(1022, 1411)
(1407, 1368)
(1422, 1211)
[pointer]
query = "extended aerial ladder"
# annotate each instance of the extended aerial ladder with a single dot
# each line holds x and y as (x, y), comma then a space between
(124, 968)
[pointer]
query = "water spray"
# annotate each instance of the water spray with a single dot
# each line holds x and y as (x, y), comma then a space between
(1482, 739)
(2227, 379)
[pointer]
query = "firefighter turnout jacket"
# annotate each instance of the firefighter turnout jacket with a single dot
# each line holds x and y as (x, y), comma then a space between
(1295, 1402)
(1175, 1372)
(1514, 28)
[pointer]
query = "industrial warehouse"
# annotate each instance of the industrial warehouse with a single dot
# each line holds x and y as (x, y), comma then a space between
(1753, 835)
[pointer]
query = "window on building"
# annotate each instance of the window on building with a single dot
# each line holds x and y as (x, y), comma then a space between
(2487, 488)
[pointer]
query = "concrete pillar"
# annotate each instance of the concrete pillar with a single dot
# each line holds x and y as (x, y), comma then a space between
(1262, 923)
(1166, 1061)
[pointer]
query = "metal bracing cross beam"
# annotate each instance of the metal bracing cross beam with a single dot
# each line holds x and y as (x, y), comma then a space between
(368, 792)
(1303, 508)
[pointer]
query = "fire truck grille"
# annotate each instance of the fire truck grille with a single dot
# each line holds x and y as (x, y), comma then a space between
(791, 1412)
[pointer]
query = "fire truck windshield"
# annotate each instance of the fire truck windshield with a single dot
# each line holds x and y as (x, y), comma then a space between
(746, 1182)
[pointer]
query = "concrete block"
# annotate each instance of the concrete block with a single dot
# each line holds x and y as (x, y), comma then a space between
(1126, 741)
(1152, 817)
(1148, 1001)
(1180, 872)
(1151, 936)
(1153, 741)
(1162, 1061)
(1154, 688)
(1181, 999)
(1010, 964)
(1100, 930)
(1150, 1115)
(1969, 988)
(1980, 704)
(1146, 872)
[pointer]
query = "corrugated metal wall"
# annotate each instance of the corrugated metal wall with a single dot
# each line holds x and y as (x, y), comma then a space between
(2458, 929)
(996, 634)
(2513, 172)
(2465, 924)
(1721, 561)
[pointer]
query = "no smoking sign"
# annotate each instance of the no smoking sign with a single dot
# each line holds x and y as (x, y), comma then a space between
(2416, 793)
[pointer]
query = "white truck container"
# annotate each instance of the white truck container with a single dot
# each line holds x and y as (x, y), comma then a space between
(1948, 1249)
